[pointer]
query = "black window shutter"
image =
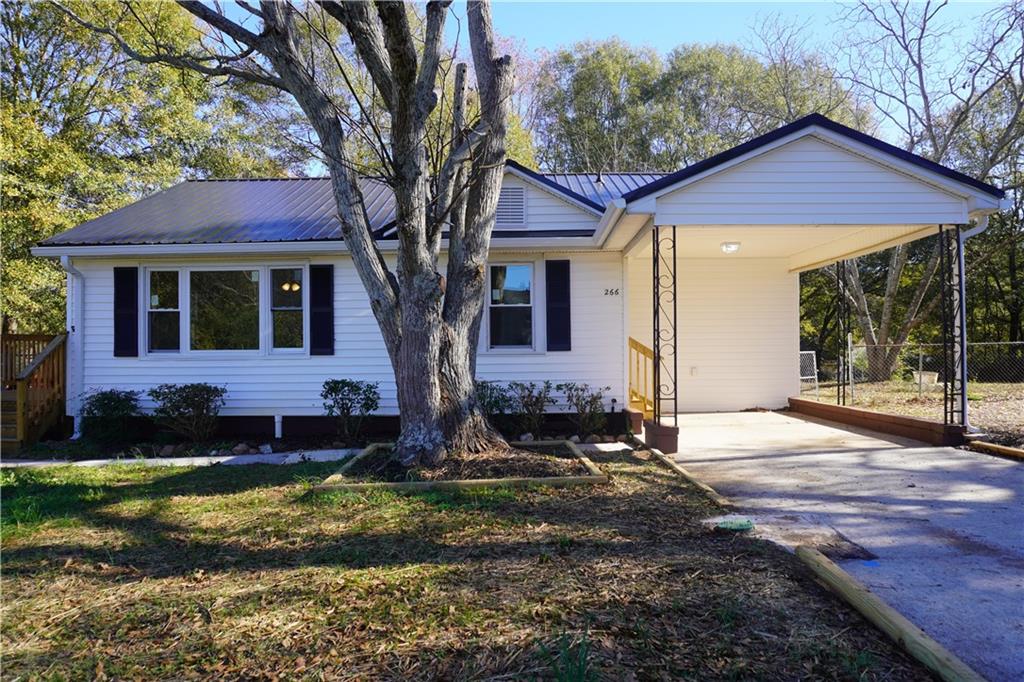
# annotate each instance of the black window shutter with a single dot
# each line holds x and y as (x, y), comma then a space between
(321, 310)
(126, 312)
(558, 305)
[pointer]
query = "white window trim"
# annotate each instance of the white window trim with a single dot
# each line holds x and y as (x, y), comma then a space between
(537, 318)
(185, 350)
(268, 322)
(147, 282)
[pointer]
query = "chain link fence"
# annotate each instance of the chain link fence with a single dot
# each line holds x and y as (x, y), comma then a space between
(907, 379)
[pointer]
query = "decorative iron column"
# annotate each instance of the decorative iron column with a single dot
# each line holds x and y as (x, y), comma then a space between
(664, 322)
(954, 324)
(842, 330)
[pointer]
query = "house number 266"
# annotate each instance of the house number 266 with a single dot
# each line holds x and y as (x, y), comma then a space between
(611, 292)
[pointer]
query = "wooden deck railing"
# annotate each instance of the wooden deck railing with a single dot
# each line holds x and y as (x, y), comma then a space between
(641, 378)
(17, 351)
(40, 391)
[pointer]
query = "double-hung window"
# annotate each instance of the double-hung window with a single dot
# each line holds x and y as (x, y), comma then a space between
(164, 313)
(286, 320)
(214, 308)
(510, 306)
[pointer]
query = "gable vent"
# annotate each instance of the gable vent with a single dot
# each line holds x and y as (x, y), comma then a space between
(512, 207)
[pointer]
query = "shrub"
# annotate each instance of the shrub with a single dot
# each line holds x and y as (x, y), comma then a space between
(108, 416)
(531, 402)
(189, 410)
(494, 399)
(587, 405)
(350, 401)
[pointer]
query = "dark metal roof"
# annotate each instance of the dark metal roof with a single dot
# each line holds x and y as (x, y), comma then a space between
(547, 181)
(303, 209)
(229, 211)
(800, 124)
(282, 210)
(605, 187)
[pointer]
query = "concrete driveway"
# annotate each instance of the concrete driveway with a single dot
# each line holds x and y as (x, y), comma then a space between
(947, 525)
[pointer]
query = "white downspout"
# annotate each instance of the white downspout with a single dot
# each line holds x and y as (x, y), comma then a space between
(963, 236)
(74, 313)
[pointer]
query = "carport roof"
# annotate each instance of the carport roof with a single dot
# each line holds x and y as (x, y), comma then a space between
(795, 126)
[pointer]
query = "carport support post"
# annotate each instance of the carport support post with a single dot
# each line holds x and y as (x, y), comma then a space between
(960, 323)
(849, 362)
(843, 374)
(954, 323)
(665, 367)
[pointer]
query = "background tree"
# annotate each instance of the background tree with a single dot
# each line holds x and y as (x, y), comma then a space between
(429, 323)
(86, 130)
(967, 115)
(612, 107)
(591, 112)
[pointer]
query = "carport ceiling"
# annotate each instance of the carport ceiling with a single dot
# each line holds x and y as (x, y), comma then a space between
(806, 246)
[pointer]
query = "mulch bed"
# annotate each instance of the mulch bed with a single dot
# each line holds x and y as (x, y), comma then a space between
(514, 462)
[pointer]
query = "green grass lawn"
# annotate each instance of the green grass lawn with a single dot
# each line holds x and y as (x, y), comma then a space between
(240, 572)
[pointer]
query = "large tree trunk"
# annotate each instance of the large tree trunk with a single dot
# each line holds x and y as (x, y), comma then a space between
(429, 326)
(465, 426)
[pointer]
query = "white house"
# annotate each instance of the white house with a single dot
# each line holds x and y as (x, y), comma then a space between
(247, 283)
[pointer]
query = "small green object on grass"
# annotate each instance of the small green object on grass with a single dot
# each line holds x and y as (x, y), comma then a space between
(736, 525)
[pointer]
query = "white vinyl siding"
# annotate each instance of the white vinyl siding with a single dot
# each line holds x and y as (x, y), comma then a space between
(289, 383)
(738, 331)
(812, 182)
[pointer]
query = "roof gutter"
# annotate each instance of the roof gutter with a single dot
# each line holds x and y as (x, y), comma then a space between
(295, 249)
(608, 221)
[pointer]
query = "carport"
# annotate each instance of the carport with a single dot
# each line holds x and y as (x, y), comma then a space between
(944, 524)
(713, 255)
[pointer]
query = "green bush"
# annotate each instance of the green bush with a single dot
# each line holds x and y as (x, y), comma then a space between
(588, 415)
(189, 410)
(530, 402)
(494, 399)
(350, 401)
(109, 416)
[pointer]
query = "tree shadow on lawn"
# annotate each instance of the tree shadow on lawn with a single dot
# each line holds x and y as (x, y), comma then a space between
(591, 522)
(159, 549)
(34, 495)
(630, 560)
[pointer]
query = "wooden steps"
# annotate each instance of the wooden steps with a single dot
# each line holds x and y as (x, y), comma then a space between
(9, 443)
(34, 388)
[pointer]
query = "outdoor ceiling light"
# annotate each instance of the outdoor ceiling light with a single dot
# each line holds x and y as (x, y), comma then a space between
(730, 247)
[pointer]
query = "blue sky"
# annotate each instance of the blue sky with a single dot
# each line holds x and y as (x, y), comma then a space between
(663, 25)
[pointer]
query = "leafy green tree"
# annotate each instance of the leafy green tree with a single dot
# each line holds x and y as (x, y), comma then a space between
(592, 108)
(86, 130)
(607, 106)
